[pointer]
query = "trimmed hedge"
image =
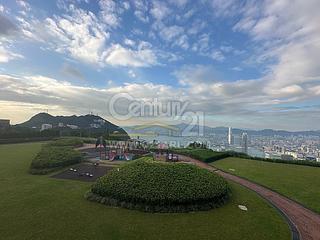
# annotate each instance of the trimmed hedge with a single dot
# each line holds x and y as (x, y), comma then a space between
(296, 162)
(151, 186)
(73, 142)
(56, 155)
(204, 155)
(23, 140)
(51, 158)
(208, 156)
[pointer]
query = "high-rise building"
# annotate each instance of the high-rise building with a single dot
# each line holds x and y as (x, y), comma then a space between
(230, 137)
(244, 142)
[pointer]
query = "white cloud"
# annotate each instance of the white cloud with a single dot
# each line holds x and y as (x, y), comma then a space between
(202, 45)
(244, 24)
(24, 4)
(141, 10)
(132, 73)
(240, 100)
(60, 96)
(182, 42)
(265, 27)
(189, 13)
(217, 55)
(171, 32)
(195, 74)
(289, 37)
(129, 42)
(179, 3)
(238, 69)
(80, 35)
(117, 55)
(6, 55)
(110, 12)
(72, 71)
(159, 10)
(225, 8)
(196, 27)
(126, 5)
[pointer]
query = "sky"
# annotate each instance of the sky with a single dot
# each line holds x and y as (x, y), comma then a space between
(247, 64)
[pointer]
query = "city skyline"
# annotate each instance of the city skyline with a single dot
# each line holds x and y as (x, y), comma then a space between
(246, 64)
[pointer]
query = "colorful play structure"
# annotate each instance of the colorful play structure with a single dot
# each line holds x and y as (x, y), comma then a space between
(119, 150)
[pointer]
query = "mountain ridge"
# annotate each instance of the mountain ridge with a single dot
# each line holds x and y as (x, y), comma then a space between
(218, 130)
(83, 122)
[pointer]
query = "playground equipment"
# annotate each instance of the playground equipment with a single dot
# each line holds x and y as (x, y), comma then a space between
(101, 142)
(114, 150)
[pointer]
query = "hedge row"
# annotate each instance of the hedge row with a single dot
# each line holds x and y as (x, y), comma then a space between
(152, 186)
(73, 142)
(23, 140)
(208, 156)
(55, 155)
(296, 162)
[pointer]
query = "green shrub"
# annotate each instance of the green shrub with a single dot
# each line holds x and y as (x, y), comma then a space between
(208, 156)
(160, 187)
(296, 162)
(89, 140)
(74, 142)
(205, 155)
(52, 157)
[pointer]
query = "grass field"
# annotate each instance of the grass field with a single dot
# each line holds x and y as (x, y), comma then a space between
(301, 183)
(40, 207)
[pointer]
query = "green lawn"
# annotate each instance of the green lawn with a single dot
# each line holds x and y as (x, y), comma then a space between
(40, 207)
(301, 183)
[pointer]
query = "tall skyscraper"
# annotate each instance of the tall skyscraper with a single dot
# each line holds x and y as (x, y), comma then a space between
(244, 142)
(230, 137)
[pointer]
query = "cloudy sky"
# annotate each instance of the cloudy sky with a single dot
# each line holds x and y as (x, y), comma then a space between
(249, 64)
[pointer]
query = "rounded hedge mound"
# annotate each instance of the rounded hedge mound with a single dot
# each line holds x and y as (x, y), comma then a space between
(160, 187)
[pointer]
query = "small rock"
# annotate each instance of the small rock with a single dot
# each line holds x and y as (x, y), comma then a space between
(243, 208)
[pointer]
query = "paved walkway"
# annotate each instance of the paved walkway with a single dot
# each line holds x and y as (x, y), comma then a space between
(305, 221)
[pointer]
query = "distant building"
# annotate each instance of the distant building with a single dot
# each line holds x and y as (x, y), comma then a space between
(72, 126)
(244, 142)
(45, 126)
(95, 125)
(4, 123)
(286, 157)
(292, 153)
(100, 121)
(311, 158)
(272, 155)
(60, 124)
(230, 137)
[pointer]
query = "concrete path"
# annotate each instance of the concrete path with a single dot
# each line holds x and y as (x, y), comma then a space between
(304, 220)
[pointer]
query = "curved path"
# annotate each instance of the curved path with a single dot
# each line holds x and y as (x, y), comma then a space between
(304, 220)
